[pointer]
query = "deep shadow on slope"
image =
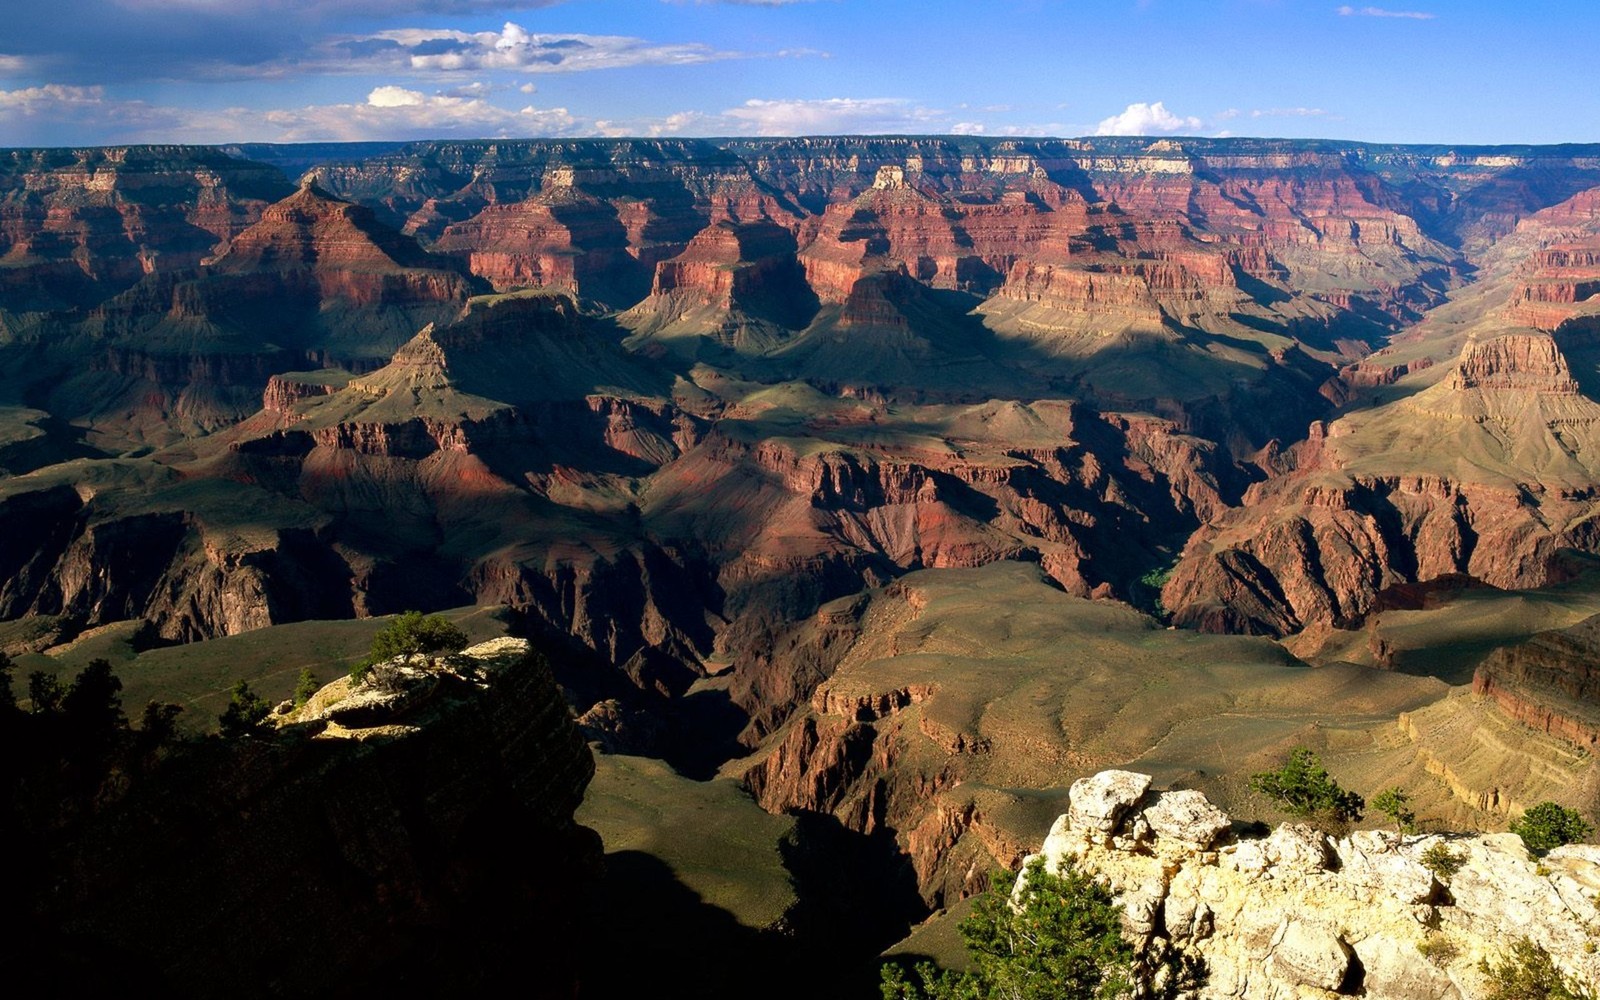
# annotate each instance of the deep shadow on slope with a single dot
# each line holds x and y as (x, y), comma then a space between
(648, 934)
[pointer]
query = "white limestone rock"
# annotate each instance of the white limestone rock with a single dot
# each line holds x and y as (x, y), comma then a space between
(1097, 804)
(1395, 970)
(1372, 860)
(1297, 847)
(1188, 817)
(1309, 953)
(1285, 917)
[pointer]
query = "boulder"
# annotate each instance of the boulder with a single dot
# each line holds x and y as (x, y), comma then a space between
(1096, 805)
(1296, 847)
(1186, 918)
(1394, 970)
(1188, 817)
(1372, 860)
(1308, 954)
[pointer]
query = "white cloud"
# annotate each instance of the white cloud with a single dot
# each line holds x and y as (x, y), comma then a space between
(511, 49)
(1415, 15)
(527, 88)
(1146, 119)
(397, 113)
(66, 115)
(59, 115)
(50, 99)
(1288, 113)
(395, 97)
(830, 116)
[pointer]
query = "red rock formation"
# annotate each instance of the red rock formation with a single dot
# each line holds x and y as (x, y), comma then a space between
(737, 283)
(1320, 544)
(342, 250)
(1550, 683)
(285, 390)
(78, 225)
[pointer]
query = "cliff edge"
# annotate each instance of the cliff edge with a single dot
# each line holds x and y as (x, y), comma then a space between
(1300, 914)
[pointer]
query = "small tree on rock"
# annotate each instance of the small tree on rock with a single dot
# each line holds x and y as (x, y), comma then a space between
(411, 634)
(1442, 861)
(1302, 787)
(1396, 804)
(1547, 826)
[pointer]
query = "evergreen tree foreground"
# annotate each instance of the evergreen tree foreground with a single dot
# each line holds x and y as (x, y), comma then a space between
(1057, 938)
(1303, 788)
(411, 634)
(1547, 826)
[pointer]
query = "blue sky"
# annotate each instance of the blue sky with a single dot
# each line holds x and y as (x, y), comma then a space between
(1447, 71)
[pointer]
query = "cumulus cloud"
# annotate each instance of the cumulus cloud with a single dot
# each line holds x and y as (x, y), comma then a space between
(52, 98)
(114, 41)
(68, 115)
(397, 113)
(1146, 119)
(511, 49)
(1415, 15)
(395, 97)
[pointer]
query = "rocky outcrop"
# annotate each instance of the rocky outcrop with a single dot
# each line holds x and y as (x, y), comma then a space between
(1513, 362)
(288, 388)
(737, 283)
(1299, 914)
(333, 857)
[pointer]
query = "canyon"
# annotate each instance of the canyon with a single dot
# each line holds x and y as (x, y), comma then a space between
(868, 490)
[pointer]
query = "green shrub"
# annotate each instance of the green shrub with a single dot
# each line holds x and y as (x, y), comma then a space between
(1528, 973)
(1442, 861)
(1396, 804)
(1302, 787)
(411, 634)
(1547, 826)
(1438, 949)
